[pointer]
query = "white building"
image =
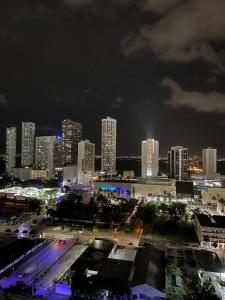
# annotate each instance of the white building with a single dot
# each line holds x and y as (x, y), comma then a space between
(86, 161)
(44, 154)
(178, 163)
(70, 175)
(10, 161)
(108, 151)
(209, 157)
(28, 140)
(150, 158)
(210, 229)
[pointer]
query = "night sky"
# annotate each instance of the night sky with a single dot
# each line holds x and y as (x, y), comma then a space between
(157, 66)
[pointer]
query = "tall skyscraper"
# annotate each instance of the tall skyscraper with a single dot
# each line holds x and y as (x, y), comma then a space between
(58, 152)
(28, 140)
(209, 157)
(71, 136)
(178, 163)
(150, 158)
(108, 155)
(10, 161)
(44, 154)
(86, 156)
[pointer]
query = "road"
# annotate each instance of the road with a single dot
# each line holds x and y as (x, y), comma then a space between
(121, 237)
(25, 226)
(36, 264)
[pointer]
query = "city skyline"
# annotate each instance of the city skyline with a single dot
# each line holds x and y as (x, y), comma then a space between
(108, 58)
(59, 137)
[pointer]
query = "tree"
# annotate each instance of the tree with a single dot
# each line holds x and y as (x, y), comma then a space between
(147, 213)
(51, 212)
(92, 208)
(173, 270)
(66, 208)
(128, 205)
(177, 210)
(73, 196)
(34, 205)
(162, 208)
(200, 290)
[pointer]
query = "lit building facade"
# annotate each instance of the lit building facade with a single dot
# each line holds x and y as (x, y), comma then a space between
(209, 157)
(10, 161)
(58, 152)
(37, 174)
(149, 158)
(86, 161)
(178, 163)
(28, 140)
(44, 154)
(86, 156)
(108, 147)
(71, 136)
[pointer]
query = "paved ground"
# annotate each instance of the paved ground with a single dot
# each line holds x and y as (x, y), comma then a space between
(27, 225)
(36, 264)
(121, 237)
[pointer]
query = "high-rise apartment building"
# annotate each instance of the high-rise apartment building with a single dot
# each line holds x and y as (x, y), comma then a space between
(108, 149)
(150, 158)
(86, 156)
(28, 140)
(71, 136)
(44, 154)
(10, 161)
(178, 163)
(58, 152)
(209, 158)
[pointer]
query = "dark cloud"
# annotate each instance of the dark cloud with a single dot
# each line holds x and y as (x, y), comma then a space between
(3, 100)
(199, 101)
(158, 6)
(184, 33)
(117, 102)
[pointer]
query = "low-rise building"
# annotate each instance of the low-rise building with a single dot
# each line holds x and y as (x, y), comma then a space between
(38, 173)
(22, 173)
(128, 174)
(210, 230)
(137, 190)
(148, 281)
(70, 175)
(210, 195)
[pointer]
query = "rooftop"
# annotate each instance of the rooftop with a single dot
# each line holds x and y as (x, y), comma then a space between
(211, 221)
(95, 256)
(150, 268)
(31, 192)
(124, 253)
(208, 261)
(116, 271)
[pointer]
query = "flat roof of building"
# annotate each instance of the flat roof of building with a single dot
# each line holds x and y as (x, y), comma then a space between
(31, 192)
(124, 253)
(95, 256)
(149, 268)
(208, 261)
(211, 221)
(116, 271)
